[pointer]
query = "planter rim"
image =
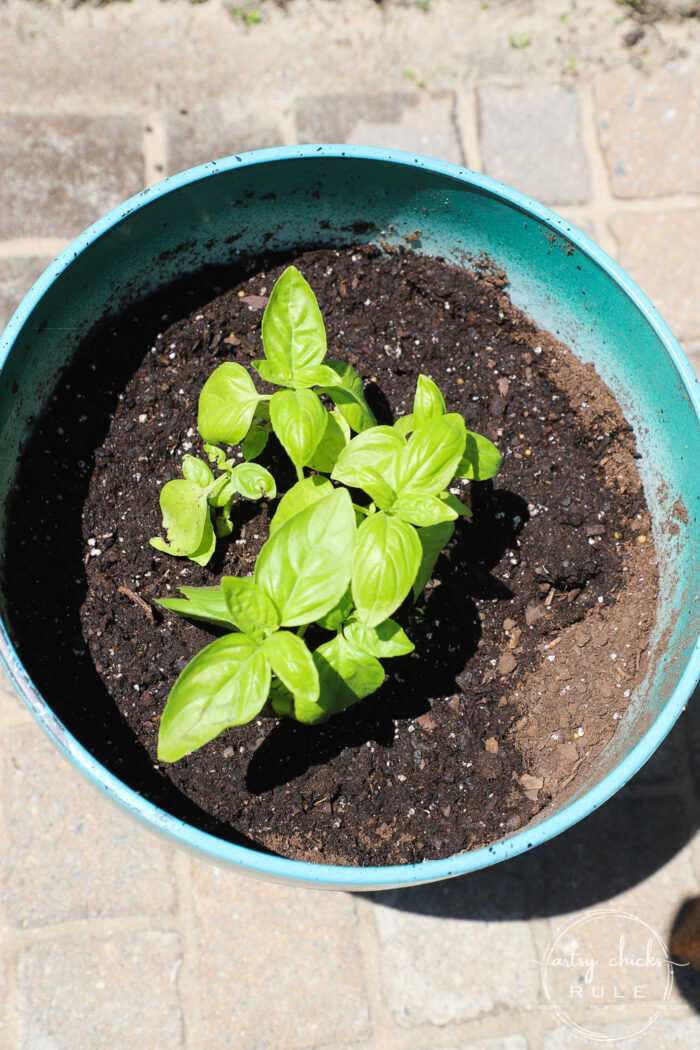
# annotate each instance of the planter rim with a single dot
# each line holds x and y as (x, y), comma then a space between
(280, 868)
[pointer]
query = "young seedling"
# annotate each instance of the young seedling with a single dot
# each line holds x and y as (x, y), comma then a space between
(340, 565)
(294, 343)
(197, 508)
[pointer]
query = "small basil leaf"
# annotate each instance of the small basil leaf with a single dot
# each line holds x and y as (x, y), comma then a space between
(271, 373)
(376, 448)
(185, 513)
(385, 562)
(293, 664)
(335, 619)
(429, 461)
(262, 412)
(223, 526)
(299, 420)
(292, 327)
(204, 552)
(250, 609)
(335, 438)
(305, 566)
(346, 675)
(422, 510)
(281, 700)
(227, 404)
(226, 684)
(255, 441)
(386, 639)
(253, 481)
(316, 375)
(404, 425)
(216, 455)
(197, 472)
(201, 603)
(300, 496)
(481, 460)
(433, 540)
(428, 403)
(455, 503)
(349, 397)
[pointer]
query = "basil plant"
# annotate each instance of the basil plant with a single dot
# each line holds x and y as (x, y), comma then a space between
(348, 542)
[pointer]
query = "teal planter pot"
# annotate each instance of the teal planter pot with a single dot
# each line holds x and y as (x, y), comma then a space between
(330, 195)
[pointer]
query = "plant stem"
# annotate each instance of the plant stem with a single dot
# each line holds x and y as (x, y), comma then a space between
(302, 630)
(300, 473)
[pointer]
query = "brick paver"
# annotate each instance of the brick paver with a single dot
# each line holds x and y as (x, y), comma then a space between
(531, 139)
(442, 963)
(669, 1034)
(62, 172)
(290, 960)
(114, 994)
(649, 129)
(16, 278)
(417, 121)
(660, 251)
(108, 938)
(69, 855)
(196, 136)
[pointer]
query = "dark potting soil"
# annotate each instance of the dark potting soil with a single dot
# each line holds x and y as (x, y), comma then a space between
(529, 639)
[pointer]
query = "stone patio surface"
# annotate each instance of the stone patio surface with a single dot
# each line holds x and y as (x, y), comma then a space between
(110, 939)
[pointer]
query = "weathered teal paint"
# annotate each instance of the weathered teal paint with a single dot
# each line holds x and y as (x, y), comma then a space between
(312, 195)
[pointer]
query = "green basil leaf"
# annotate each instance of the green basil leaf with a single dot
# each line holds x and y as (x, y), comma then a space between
(300, 496)
(433, 540)
(404, 425)
(429, 461)
(386, 639)
(335, 438)
(428, 403)
(250, 608)
(299, 420)
(272, 373)
(385, 562)
(316, 375)
(227, 404)
(422, 510)
(292, 327)
(201, 603)
(253, 481)
(262, 412)
(376, 449)
(305, 566)
(346, 675)
(455, 503)
(204, 552)
(216, 455)
(255, 441)
(371, 482)
(481, 460)
(335, 619)
(349, 397)
(196, 471)
(293, 664)
(185, 514)
(226, 684)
